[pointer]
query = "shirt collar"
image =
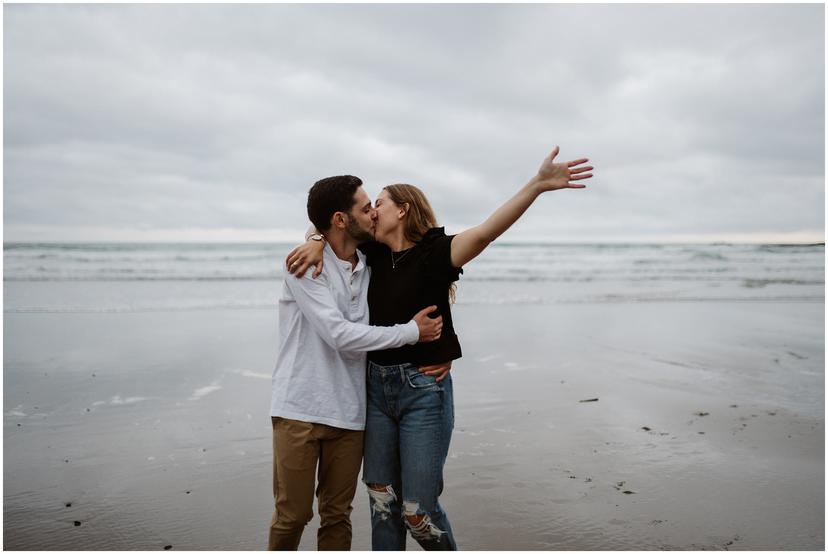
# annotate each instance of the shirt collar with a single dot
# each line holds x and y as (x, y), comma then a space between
(330, 257)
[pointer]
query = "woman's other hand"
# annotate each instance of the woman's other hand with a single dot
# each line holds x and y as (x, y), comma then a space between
(440, 371)
(304, 256)
(554, 176)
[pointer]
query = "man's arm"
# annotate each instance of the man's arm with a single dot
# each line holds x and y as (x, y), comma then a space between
(316, 303)
(551, 176)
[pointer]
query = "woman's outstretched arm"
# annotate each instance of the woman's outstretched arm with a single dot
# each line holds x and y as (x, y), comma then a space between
(551, 176)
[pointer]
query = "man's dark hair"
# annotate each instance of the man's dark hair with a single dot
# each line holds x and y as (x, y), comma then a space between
(330, 195)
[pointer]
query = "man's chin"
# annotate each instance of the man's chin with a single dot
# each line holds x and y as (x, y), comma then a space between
(365, 236)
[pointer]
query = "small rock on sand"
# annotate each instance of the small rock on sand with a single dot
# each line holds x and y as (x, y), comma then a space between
(589, 400)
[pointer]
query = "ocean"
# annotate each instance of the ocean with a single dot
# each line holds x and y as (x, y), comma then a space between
(111, 277)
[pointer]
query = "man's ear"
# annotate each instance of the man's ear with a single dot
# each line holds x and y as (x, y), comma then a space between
(338, 220)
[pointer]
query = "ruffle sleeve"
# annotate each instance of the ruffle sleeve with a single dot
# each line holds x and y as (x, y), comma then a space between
(436, 247)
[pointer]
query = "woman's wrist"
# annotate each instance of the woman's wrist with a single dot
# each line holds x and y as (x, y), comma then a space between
(534, 187)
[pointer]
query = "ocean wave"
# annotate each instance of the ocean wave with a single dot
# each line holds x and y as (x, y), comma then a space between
(759, 283)
(500, 300)
(113, 278)
(751, 266)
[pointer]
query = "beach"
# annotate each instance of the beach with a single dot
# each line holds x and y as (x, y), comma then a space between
(614, 425)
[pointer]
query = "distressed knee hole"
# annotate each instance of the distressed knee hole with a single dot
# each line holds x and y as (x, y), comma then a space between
(381, 497)
(419, 524)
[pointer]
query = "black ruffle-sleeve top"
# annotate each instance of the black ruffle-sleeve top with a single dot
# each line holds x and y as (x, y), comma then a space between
(402, 284)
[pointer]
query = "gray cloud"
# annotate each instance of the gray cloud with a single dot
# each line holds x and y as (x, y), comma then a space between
(700, 119)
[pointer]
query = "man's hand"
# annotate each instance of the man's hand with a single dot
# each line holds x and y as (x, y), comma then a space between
(440, 371)
(430, 329)
(554, 176)
(302, 257)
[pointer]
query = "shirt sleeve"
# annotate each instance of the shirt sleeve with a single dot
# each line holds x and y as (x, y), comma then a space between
(315, 301)
(439, 260)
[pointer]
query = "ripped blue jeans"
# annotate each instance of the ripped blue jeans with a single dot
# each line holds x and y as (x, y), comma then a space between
(407, 433)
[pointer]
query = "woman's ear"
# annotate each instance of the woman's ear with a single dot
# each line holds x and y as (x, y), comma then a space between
(403, 210)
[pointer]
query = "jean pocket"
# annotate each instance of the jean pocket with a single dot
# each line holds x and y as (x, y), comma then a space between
(417, 380)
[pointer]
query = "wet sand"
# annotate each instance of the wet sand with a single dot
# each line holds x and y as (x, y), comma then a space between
(148, 430)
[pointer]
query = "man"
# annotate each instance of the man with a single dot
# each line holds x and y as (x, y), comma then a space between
(318, 396)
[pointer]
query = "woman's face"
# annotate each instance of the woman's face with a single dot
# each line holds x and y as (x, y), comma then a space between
(387, 216)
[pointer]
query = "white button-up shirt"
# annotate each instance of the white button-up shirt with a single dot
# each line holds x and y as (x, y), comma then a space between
(324, 335)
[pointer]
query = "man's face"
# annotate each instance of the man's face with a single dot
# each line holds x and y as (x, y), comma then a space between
(360, 219)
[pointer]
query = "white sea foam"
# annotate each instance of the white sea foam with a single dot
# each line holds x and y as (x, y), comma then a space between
(255, 375)
(198, 394)
(118, 401)
(16, 412)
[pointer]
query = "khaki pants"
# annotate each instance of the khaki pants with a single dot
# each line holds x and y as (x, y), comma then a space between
(297, 447)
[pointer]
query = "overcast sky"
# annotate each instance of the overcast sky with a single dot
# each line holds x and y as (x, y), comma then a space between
(210, 122)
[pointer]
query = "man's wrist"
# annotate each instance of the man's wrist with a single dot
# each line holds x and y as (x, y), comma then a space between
(412, 332)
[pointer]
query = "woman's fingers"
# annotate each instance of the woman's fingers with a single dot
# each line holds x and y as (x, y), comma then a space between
(318, 270)
(290, 258)
(296, 264)
(581, 169)
(577, 162)
(576, 177)
(439, 371)
(299, 269)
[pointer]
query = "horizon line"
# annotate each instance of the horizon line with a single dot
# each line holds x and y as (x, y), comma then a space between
(502, 243)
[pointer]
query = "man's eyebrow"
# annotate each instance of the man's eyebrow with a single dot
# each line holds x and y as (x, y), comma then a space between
(367, 205)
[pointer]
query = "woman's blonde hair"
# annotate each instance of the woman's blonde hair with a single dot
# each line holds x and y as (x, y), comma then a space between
(419, 216)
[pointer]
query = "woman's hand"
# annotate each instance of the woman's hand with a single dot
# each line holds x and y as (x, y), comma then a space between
(304, 256)
(440, 371)
(467, 245)
(554, 176)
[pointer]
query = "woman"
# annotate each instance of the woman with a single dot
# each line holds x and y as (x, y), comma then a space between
(410, 405)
